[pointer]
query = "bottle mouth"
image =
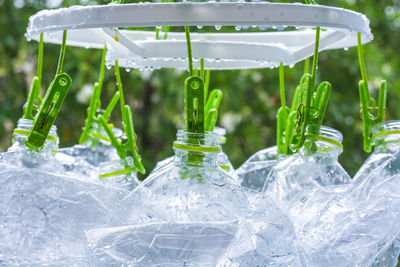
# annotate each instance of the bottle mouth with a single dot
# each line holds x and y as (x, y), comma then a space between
(325, 134)
(386, 128)
(117, 167)
(24, 127)
(207, 142)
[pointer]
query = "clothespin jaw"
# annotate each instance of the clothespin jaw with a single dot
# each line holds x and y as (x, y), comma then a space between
(131, 143)
(211, 110)
(211, 119)
(320, 102)
(367, 111)
(48, 111)
(304, 99)
(33, 95)
(123, 148)
(194, 105)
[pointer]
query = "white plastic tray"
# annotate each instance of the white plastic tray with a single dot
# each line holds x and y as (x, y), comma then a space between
(94, 26)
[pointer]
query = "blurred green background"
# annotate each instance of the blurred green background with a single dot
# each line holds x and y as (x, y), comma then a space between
(251, 97)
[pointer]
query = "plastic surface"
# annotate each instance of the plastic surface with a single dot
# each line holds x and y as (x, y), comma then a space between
(94, 26)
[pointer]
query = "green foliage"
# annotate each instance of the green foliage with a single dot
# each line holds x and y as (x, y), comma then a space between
(251, 97)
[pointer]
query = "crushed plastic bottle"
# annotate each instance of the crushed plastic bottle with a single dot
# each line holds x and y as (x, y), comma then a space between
(188, 213)
(43, 212)
(257, 172)
(314, 167)
(376, 194)
(98, 161)
(357, 224)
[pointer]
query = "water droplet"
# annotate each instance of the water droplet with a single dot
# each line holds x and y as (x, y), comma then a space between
(346, 49)
(158, 27)
(199, 26)
(108, 66)
(274, 27)
(291, 66)
(238, 27)
(127, 69)
(218, 27)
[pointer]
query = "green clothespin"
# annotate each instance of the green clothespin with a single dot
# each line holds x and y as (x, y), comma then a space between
(211, 110)
(307, 108)
(194, 105)
(34, 93)
(51, 104)
(290, 122)
(127, 146)
(194, 96)
(95, 102)
(48, 111)
(368, 104)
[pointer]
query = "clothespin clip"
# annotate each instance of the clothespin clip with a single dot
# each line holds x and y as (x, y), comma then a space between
(125, 147)
(95, 103)
(291, 122)
(194, 105)
(368, 103)
(307, 108)
(128, 146)
(51, 104)
(211, 110)
(48, 111)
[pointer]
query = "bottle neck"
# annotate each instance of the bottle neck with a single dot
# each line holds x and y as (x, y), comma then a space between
(197, 149)
(324, 141)
(22, 131)
(386, 136)
(222, 134)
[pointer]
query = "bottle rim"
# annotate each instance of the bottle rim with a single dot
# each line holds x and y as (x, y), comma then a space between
(385, 128)
(52, 136)
(205, 147)
(325, 134)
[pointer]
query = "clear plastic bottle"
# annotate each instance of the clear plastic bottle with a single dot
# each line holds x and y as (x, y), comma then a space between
(257, 172)
(25, 157)
(98, 161)
(43, 211)
(376, 193)
(222, 158)
(85, 159)
(187, 213)
(314, 167)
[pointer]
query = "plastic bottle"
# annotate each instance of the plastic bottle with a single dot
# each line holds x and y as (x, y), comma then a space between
(43, 211)
(258, 171)
(189, 213)
(376, 192)
(314, 167)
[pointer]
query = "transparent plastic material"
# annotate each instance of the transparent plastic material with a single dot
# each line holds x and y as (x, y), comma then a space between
(314, 167)
(259, 170)
(191, 212)
(43, 213)
(356, 225)
(222, 159)
(98, 161)
(376, 193)
(95, 26)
